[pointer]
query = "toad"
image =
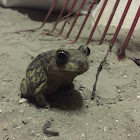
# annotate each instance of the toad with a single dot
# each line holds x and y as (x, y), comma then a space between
(51, 70)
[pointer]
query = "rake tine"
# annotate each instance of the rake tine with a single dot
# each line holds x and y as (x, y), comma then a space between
(129, 35)
(67, 17)
(59, 17)
(77, 15)
(83, 24)
(95, 25)
(46, 18)
(109, 21)
(120, 23)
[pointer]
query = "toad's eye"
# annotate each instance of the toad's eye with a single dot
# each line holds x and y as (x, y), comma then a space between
(62, 57)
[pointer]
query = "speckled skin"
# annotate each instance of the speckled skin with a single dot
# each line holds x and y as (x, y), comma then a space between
(45, 75)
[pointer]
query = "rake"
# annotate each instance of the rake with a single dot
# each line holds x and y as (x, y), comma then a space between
(77, 14)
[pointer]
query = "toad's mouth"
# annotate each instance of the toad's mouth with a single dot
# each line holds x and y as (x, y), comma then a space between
(68, 70)
(63, 72)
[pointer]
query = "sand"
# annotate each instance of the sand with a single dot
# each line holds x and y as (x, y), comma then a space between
(114, 114)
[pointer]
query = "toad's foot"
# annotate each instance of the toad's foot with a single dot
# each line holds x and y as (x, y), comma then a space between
(40, 98)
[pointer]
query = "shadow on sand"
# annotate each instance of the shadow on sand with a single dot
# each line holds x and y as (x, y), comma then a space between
(38, 15)
(64, 100)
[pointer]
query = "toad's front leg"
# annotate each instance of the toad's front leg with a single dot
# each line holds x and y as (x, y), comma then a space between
(40, 97)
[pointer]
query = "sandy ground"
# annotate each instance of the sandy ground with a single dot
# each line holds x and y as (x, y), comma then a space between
(113, 115)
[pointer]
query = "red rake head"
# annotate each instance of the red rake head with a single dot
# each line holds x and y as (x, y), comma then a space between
(82, 4)
(54, 4)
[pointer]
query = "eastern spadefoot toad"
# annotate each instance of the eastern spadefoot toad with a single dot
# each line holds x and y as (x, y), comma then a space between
(53, 69)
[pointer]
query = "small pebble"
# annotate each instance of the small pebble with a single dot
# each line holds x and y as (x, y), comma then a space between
(0, 111)
(5, 126)
(22, 100)
(82, 135)
(29, 118)
(37, 134)
(91, 102)
(105, 129)
(128, 135)
(125, 76)
(119, 91)
(117, 120)
(138, 96)
(19, 127)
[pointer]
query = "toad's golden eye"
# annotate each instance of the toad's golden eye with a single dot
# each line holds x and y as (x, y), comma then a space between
(62, 57)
